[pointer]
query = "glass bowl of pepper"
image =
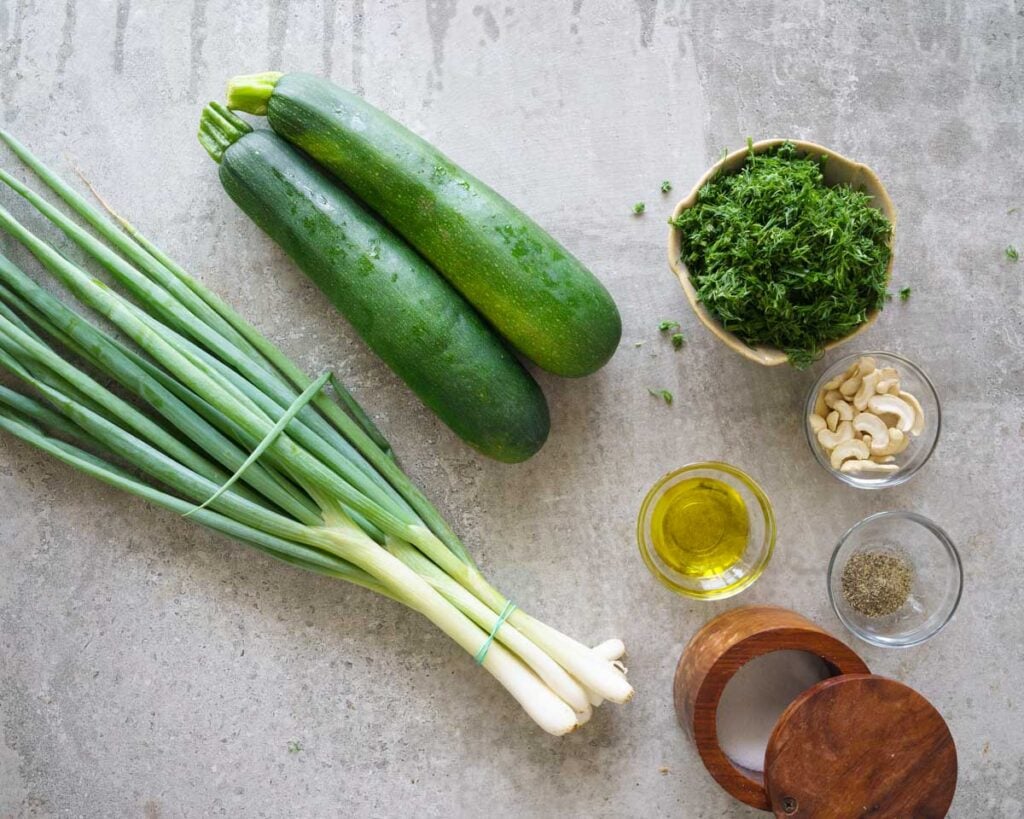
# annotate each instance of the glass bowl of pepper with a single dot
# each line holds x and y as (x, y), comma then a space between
(895, 579)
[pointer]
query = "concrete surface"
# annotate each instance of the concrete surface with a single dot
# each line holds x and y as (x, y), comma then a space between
(150, 668)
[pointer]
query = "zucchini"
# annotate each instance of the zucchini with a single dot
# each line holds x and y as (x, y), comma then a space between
(537, 294)
(408, 314)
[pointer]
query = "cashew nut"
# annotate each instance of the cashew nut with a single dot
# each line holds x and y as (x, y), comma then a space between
(831, 397)
(875, 427)
(896, 405)
(849, 449)
(863, 419)
(918, 426)
(888, 381)
(897, 443)
(820, 407)
(867, 466)
(845, 410)
(850, 385)
(868, 387)
(830, 440)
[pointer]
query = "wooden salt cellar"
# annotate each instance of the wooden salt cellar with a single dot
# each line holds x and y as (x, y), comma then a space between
(852, 745)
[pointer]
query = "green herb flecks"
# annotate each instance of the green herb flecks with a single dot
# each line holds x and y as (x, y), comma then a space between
(664, 395)
(904, 293)
(678, 340)
(294, 747)
(639, 208)
(667, 325)
(666, 186)
(1012, 253)
(781, 259)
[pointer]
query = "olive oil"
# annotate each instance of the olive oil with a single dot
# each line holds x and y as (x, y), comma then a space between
(700, 527)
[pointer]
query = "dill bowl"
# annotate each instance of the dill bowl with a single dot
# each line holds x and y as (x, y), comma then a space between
(936, 585)
(920, 448)
(750, 563)
(838, 170)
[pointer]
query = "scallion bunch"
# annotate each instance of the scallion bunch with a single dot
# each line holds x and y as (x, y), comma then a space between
(224, 428)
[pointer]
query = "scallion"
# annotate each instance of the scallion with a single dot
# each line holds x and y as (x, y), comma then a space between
(324, 493)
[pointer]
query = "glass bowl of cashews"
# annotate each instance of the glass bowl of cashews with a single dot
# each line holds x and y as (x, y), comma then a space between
(873, 419)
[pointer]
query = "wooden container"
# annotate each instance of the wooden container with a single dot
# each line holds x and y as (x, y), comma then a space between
(852, 745)
(838, 170)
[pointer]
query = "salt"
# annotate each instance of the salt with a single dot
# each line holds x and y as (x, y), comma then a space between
(755, 698)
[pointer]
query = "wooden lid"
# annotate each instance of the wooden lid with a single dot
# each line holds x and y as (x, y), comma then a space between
(860, 745)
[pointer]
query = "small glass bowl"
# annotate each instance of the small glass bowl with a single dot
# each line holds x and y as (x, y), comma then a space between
(920, 448)
(760, 541)
(937, 578)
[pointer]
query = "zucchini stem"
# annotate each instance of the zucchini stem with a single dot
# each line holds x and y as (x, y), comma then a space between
(219, 129)
(251, 92)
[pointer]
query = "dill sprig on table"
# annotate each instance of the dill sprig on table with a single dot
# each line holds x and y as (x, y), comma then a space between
(780, 258)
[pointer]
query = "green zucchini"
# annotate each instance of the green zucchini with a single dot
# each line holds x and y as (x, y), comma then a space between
(408, 314)
(537, 294)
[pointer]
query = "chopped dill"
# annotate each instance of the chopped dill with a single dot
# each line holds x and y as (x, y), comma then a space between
(667, 325)
(780, 258)
(666, 186)
(1012, 253)
(904, 294)
(639, 208)
(678, 340)
(664, 395)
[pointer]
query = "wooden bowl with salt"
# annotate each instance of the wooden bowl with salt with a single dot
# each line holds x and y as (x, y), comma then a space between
(852, 744)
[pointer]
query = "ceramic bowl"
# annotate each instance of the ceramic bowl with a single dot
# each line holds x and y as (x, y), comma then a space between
(838, 170)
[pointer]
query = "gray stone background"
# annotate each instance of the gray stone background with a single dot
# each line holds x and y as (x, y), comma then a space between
(148, 667)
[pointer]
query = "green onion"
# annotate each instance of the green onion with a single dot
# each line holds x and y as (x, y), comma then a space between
(231, 433)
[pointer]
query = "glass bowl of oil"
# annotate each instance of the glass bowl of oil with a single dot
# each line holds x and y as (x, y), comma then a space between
(706, 530)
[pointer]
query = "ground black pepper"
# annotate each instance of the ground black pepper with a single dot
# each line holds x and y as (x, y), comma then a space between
(877, 583)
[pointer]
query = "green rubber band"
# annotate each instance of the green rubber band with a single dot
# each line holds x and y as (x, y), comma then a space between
(506, 612)
(271, 436)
